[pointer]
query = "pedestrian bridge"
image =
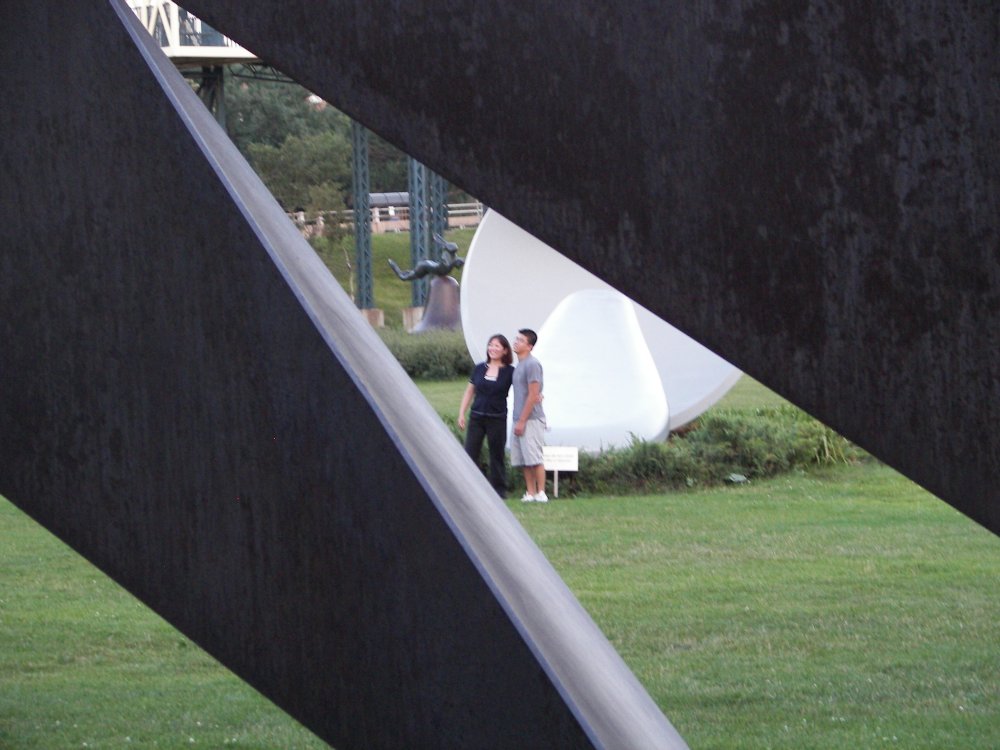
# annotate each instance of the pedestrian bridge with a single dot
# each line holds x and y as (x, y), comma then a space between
(186, 40)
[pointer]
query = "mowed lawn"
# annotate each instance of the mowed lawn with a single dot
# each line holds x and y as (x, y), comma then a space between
(747, 394)
(844, 608)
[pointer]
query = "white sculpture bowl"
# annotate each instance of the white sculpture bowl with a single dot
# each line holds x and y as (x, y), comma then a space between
(599, 399)
(512, 280)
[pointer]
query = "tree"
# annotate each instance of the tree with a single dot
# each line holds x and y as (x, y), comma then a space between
(387, 166)
(300, 146)
(267, 112)
(304, 167)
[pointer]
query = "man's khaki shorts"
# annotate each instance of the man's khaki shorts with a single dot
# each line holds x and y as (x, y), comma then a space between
(526, 450)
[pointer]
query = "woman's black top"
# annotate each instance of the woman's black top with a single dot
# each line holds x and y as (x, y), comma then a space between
(491, 395)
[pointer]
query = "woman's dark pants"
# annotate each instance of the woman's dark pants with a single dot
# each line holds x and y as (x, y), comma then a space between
(494, 429)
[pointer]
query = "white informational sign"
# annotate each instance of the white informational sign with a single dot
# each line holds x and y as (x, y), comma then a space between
(561, 458)
(558, 458)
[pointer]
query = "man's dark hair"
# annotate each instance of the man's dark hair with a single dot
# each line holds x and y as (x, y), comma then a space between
(529, 334)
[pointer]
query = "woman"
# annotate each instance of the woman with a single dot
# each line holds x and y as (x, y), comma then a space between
(487, 391)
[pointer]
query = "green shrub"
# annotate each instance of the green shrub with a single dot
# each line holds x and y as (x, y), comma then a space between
(434, 355)
(711, 451)
(771, 440)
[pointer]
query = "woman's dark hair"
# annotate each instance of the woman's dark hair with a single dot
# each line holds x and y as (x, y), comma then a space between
(508, 357)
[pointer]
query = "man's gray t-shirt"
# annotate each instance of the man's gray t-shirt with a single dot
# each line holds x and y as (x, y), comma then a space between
(528, 370)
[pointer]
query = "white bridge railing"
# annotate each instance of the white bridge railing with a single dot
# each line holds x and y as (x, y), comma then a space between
(385, 218)
(183, 37)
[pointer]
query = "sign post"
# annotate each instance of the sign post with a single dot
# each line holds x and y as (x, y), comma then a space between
(560, 458)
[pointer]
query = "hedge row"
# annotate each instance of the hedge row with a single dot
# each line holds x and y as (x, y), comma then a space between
(721, 446)
(434, 355)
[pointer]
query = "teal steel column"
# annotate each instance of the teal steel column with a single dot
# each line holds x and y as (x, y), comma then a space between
(210, 85)
(437, 197)
(365, 297)
(419, 234)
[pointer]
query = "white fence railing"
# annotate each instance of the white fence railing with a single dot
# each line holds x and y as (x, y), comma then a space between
(184, 36)
(385, 219)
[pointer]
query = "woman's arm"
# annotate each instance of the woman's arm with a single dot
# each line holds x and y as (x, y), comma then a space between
(466, 400)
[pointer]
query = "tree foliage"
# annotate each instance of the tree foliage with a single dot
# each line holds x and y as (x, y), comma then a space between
(387, 166)
(304, 168)
(267, 112)
(301, 147)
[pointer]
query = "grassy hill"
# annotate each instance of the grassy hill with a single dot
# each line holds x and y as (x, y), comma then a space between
(391, 294)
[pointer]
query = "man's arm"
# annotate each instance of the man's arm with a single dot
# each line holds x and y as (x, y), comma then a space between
(534, 396)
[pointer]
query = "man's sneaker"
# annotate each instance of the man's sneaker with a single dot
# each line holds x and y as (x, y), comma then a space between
(541, 497)
(528, 498)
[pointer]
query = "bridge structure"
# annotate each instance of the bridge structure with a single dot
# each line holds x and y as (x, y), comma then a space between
(191, 401)
(202, 54)
(185, 39)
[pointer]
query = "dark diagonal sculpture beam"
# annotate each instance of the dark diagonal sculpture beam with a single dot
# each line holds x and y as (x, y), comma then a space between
(810, 189)
(190, 400)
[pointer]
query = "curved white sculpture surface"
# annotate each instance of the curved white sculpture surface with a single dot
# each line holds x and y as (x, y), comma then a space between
(596, 402)
(513, 280)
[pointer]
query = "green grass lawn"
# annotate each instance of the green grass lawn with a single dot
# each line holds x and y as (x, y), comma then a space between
(83, 664)
(840, 609)
(444, 395)
(747, 394)
(391, 294)
(843, 608)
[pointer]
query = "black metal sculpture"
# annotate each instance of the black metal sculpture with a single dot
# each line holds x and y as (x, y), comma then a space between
(427, 266)
(810, 193)
(780, 184)
(442, 311)
(303, 515)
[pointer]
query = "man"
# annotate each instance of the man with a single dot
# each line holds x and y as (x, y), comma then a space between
(529, 418)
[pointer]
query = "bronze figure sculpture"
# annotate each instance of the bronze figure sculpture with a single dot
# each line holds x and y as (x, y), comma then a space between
(428, 266)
